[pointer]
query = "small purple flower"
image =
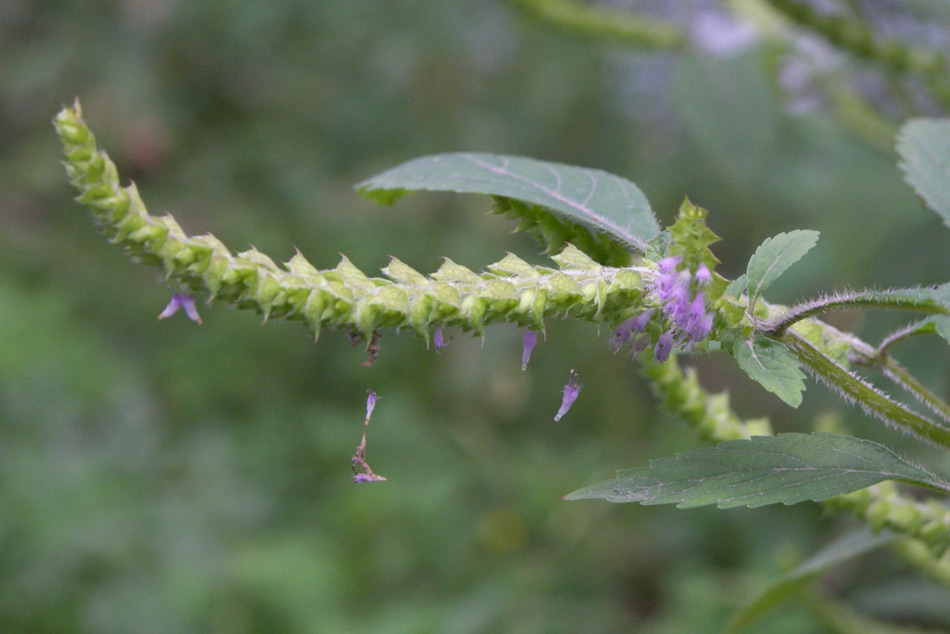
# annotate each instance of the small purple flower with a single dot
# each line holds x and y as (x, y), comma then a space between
(703, 275)
(635, 324)
(370, 404)
(186, 303)
(667, 265)
(663, 347)
(439, 341)
(527, 345)
(698, 322)
(571, 390)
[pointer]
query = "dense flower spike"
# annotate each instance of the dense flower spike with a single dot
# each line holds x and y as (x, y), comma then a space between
(684, 311)
(186, 303)
(511, 291)
(571, 390)
(527, 345)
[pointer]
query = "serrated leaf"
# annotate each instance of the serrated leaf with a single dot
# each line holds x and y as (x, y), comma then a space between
(598, 200)
(787, 469)
(943, 326)
(770, 364)
(738, 286)
(839, 551)
(773, 258)
(924, 147)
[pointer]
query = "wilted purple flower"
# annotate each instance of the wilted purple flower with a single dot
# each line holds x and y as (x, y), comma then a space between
(186, 303)
(663, 347)
(370, 404)
(439, 341)
(571, 390)
(703, 275)
(527, 345)
(360, 478)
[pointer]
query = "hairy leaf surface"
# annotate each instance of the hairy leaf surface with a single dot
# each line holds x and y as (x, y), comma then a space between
(770, 364)
(773, 258)
(600, 201)
(788, 468)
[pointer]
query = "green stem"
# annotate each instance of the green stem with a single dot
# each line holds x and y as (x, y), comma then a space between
(623, 26)
(848, 301)
(851, 35)
(856, 390)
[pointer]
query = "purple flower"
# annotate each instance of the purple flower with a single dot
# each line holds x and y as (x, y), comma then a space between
(571, 390)
(698, 322)
(635, 324)
(186, 303)
(527, 345)
(439, 341)
(663, 347)
(703, 275)
(370, 404)
(667, 265)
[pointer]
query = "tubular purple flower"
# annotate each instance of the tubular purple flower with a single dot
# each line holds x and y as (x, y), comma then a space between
(635, 324)
(698, 323)
(667, 265)
(527, 345)
(438, 341)
(663, 347)
(703, 275)
(571, 390)
(370, 404)
(186, 303)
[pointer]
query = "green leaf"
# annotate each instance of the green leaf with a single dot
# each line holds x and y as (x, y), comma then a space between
(924, 146)
(771, 364)
(738, 286)
(598, 200)
(943, 326)
(788, 468)
(774, 257)
(839, 551)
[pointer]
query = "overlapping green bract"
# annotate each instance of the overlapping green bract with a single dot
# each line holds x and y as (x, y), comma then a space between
(787, 469)
(343, 297)
(598, 200)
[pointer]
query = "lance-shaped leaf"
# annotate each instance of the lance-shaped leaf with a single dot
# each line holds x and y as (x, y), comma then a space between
(773, 258)
(924, 146)
(600, 201)
(788, 468)
(773, 366)
(839, 551)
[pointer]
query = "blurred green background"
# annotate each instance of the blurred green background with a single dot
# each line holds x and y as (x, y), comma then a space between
(160, 477)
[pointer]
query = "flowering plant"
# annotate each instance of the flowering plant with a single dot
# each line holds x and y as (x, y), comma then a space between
(654, 289)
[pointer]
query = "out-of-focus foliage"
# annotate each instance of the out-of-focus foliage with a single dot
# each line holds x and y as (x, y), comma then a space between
(164, 477)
